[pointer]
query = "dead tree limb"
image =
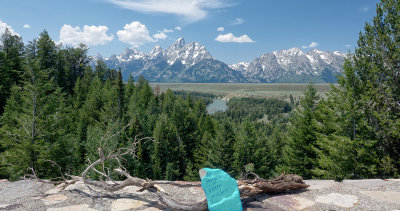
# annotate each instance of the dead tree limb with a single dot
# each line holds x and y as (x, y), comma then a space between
(248, 188)
(64, 182)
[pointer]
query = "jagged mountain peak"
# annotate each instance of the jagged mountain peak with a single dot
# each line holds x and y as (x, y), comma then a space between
(179, 43)
(295, 65)
(187, 53)
(191, 62)
(157, 47)
(129, 54)
(156, 52)
(291, 52)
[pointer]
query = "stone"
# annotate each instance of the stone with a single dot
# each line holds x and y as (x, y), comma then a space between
(80, 207)
(53, 191)
(10, 206)
(338, 199)
(54, 199)
(79, 186)
(3, 180)
(319, 184)
(395, 180)
(368, 183)
(290, 202)
(126, 204)
(150, 209)
(3, 206)
(131, 190)
(387, 196)
(256, 206)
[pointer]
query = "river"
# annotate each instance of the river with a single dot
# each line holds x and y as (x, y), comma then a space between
(217, 105)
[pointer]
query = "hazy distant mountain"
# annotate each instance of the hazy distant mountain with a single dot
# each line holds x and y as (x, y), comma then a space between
(191, 62)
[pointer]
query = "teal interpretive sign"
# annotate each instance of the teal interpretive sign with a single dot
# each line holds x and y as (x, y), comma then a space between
(221, 190)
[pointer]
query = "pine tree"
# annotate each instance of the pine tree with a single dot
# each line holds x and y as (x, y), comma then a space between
(47, 53)
(191, 174)
(5, 82)
(278, 141)
(186, 126)
(202, 152)
(13, 47)
(76, 61)
(101, 70)
(167, 150)
(367, 104)
(376, 65)
(35, 128)
(120, 91)
(130, 89)
(263, 157)
(222, 148)
(11, 64)
(245, 147)
(343, 147)
(81, 89)
(299, 155)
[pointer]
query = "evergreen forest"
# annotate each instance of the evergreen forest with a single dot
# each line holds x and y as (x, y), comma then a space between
(55, 107)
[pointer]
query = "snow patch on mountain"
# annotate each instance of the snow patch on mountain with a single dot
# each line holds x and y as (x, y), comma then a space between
(191, 62)
(241, 66)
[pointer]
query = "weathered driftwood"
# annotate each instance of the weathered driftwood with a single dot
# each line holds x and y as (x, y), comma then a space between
(282, 183)
(247, 188)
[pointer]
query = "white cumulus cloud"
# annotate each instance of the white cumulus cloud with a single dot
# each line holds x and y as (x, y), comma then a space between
(232, 38)
(178, 28)
(160, 36)
(4, 26)
(237, 21)
(167, 30)
(135, 34)
(89, 35)
(221, 29)
(27, 26)
(312, 45)
(190, 10)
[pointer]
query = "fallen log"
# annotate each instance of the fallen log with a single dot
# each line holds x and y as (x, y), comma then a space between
(282, 183)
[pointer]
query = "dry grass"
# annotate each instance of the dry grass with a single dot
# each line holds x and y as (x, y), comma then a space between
(229, 90)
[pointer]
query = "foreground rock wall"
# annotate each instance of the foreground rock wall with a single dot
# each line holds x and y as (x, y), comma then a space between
(372, 194)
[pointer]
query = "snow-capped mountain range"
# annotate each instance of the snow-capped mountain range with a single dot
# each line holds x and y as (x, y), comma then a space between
(293, 65)
(191, 62)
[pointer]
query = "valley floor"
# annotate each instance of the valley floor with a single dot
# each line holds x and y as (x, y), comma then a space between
(229, 90)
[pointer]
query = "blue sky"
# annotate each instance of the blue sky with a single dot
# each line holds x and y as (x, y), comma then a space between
(232, 30)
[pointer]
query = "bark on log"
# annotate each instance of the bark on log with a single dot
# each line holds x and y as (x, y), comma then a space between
(282, 183)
